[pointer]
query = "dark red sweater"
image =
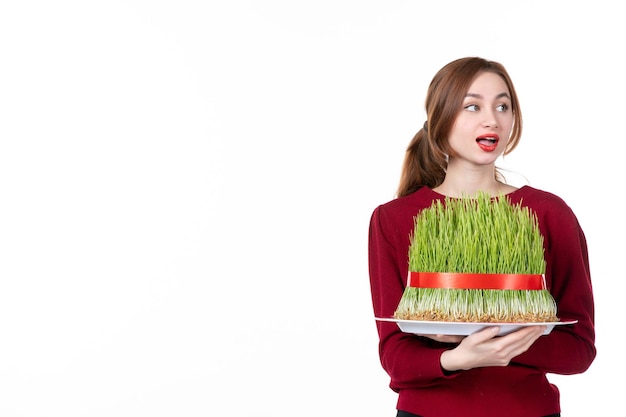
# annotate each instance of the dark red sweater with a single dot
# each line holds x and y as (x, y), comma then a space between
(520, 389)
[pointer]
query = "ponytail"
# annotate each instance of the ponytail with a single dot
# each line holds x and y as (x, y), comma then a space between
(423, 166)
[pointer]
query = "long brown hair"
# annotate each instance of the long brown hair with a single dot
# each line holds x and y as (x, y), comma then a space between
(425, 160)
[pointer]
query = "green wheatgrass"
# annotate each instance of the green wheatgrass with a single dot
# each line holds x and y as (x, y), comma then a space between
(476, 235)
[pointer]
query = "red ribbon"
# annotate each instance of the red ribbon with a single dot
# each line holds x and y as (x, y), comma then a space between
(476, 281)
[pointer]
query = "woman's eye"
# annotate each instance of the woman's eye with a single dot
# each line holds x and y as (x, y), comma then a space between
(471, 107)
(502, 107)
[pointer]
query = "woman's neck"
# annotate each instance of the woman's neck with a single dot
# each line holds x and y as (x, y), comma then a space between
(469, 182)
(453, 190)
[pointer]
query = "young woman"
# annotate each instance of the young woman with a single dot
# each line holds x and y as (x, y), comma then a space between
(473, 117)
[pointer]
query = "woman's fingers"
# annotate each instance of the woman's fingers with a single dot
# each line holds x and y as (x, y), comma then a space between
(486, 348)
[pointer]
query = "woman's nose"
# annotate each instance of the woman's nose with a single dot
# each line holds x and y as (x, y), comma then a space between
(490, 120)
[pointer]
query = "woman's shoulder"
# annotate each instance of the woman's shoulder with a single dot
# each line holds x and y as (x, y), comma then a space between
(414, 202)
(397, 216)
(538, 199)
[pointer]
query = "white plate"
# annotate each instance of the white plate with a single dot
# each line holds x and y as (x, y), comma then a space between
(465, 328)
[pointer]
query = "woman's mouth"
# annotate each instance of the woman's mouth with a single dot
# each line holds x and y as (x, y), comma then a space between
(488, 143)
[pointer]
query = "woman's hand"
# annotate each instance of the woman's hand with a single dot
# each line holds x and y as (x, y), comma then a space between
(483, 348)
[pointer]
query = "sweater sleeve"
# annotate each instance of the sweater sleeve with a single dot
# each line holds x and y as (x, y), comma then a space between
(568, 349)
(411, 361)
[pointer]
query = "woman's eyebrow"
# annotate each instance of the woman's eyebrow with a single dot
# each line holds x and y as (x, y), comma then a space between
(475, 95)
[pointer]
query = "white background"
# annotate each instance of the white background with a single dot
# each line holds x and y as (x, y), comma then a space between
(185, 191)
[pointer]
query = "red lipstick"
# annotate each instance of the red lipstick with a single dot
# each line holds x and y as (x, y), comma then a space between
(488, 142)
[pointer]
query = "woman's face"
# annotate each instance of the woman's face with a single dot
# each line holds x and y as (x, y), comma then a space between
(483, 126)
